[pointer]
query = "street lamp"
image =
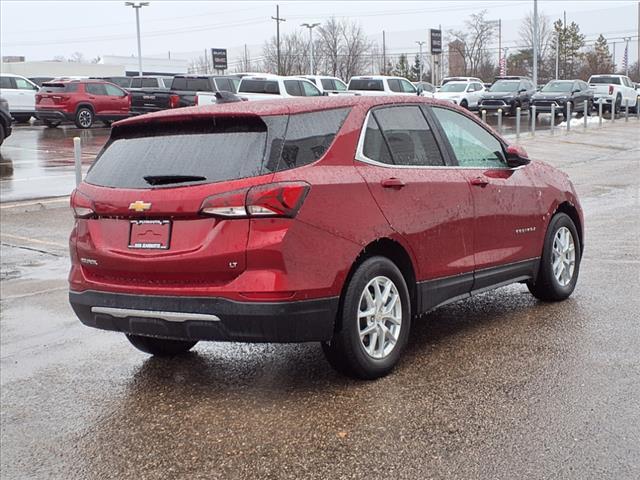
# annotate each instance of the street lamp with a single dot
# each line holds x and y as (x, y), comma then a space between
(137, 6)
(420, 43)
(310, 26)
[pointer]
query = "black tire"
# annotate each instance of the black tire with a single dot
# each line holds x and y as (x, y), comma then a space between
(51, 124)
(2, 134)
(618, 104)
(160, 347)
(346, 352)
(21, 118)
(546, 286)
(464, 104)
(84, 118)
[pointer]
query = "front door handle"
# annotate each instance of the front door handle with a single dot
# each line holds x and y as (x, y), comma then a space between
(480, 182)
(393, 182)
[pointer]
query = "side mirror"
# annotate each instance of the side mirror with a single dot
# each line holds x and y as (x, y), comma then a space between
(419, 90)
(517, 156)
(522, 90)
(577, 90)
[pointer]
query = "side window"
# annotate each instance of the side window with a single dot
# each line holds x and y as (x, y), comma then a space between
(394, 85)
(340, 85)
(472, 144)
(374, 146)
(407, 87)
(224, 85)
(5, 82)
(149, 82)
(95, 89)
(408, 136)
(309, 135)
(179, 84)
(293, 88)
(114, 91)
(136, 82)
(22, 84)
(198, 85)
(327, 84)
(310, 90)
(471, 87)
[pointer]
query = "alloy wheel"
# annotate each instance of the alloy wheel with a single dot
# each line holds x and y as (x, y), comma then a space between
(563, 257)
(84, 118)
(379, 317)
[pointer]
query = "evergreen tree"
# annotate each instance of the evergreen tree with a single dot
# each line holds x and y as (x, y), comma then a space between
(414, 74)
(401, 68)
(570, 41)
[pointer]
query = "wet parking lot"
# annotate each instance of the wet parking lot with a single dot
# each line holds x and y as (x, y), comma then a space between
(500, 386)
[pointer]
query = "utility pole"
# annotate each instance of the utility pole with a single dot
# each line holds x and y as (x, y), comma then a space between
(564, 44)
(278, 20)
(441, 59)
(137, 6)
(638, 52)
(500, 41)
(535, 43)
(614, 56)
(384, 54)
(557, 52)
(420, 57)
(310, 26)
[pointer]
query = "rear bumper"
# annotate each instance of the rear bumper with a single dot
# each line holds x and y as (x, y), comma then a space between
(207, 318)
(53, 115)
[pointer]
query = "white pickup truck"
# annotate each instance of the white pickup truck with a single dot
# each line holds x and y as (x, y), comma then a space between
(613, 90)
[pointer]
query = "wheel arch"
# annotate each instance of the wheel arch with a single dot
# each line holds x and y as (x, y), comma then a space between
(85, 104)
(570, 210)
(398, 254)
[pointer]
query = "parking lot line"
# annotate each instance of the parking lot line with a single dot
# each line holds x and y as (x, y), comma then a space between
(28, 203)
(33, 240)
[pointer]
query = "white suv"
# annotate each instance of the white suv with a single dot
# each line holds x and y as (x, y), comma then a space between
(333, 85)
(467, 94)
(20, 92)
(266, 86)
(381, 85)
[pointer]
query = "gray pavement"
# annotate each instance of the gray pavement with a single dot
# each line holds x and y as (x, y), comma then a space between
(496, 387)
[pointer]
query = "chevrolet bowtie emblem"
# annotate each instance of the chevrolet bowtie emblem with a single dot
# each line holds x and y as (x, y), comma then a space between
(139, 206)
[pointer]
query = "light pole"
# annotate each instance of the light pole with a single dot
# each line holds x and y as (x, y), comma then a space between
(310, 26)
(535, 43)
(137, 6)
(420, 44)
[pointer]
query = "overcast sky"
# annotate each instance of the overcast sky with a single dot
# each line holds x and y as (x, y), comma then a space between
(41, 30)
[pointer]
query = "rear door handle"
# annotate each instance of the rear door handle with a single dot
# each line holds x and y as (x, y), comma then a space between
(479, 182)
(393, 182)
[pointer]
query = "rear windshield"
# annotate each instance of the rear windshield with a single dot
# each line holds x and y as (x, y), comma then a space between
(607, 80)
(363, 84)
(259, 86)
(59, 87)
(505, 86)
(213, 150)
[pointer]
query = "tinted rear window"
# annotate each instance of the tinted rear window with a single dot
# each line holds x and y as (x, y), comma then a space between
(362, 84)
(259, 86)
(219, 149)
(607, 80)
(59, 87)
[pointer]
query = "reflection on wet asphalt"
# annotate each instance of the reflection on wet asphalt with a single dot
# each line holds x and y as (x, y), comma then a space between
(500, 386)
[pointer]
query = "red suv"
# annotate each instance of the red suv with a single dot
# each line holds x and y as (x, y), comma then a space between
(81, 101)
(335, 219)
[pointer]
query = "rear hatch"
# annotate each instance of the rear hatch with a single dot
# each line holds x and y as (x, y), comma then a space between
(603, 85)
(145, 193)
(151, 100)
(55, 94)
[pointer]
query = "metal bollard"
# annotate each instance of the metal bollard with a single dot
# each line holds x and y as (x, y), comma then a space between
(600, 113)
(613, 112)
(568, 116)
(553, 118)
(77, 154)
(483, 113)
(626, 109)
(533, 120)
(518, 112)
(585, 113)
(499, 120)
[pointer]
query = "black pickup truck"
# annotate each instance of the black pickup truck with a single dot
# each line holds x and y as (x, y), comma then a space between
(183, 92)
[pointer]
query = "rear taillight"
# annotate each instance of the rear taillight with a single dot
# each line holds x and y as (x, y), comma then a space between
(174, 101)
(81, 205)
(272, 200)
(610, 89)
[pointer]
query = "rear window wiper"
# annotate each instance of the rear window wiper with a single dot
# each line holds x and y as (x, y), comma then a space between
(169, 179)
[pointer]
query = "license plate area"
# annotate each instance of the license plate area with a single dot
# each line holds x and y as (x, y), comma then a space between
(150, 234)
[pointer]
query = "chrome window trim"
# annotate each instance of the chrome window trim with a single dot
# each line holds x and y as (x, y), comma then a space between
(167, 316)
(361, 157)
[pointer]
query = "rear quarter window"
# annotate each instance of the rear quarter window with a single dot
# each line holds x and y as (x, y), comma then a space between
(366, 84)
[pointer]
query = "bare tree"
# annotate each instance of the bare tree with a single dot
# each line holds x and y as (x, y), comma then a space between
(294, 54)
(354, 51)
(472, 43)
(544, 44)
(77, 57)
(331, 33)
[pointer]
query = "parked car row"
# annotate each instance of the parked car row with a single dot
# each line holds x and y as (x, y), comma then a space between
(85, 100)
